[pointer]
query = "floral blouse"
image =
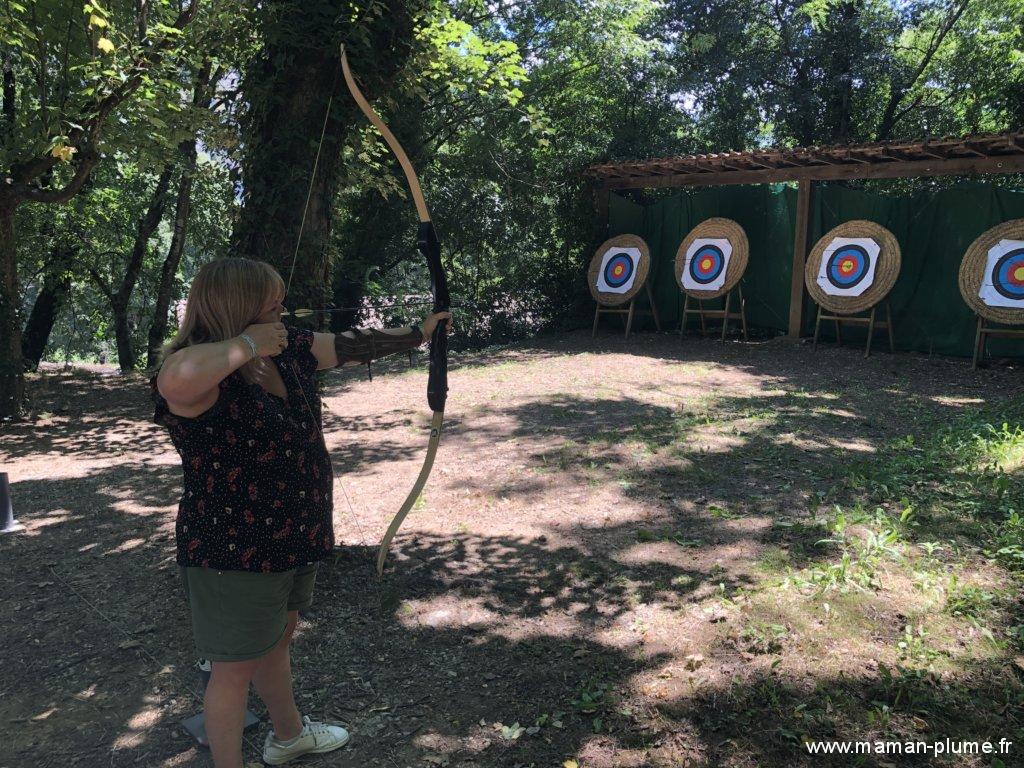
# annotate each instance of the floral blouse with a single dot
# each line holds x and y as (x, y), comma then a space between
(257, 475)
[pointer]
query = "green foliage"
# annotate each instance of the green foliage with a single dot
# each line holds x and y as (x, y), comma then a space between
(501, 106)
(67, 58)
(762, 638)
(864, 542)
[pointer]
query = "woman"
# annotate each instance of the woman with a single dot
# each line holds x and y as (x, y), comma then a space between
(237, 392)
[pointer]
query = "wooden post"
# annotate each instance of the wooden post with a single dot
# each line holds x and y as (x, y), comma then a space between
(978, 337)
(743, 312)
(654, 309)
(725, 316)
(892, 333)
(796, 292)
(871, 332)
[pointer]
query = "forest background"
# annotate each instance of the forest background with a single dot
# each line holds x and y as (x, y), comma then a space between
(142, 139)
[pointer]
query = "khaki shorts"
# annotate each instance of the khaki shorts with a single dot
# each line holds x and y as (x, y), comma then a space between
(241, 615)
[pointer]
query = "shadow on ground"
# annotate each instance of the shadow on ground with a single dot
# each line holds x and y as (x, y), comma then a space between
(471, 637)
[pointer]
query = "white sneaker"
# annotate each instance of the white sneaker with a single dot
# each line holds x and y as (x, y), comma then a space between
(315, 738)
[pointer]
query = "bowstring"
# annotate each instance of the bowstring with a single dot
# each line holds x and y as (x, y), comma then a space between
(288, 287)
(312, 178)
(291, 274)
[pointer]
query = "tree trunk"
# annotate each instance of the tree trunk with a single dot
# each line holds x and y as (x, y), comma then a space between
(12, 379)
(123, 336)
(121, 300)
(290, 88)
(182, 212)
(55, 288)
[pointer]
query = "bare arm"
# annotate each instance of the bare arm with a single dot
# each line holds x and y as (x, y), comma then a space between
(323, 351)
(189, 379)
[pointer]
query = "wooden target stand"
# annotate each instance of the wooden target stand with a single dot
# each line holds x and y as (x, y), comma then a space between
(863, 309)
(870, 320)
(714, 234)
(985, 332)
(631, 311)
(633, 248)
(725, 315)
(993, 321)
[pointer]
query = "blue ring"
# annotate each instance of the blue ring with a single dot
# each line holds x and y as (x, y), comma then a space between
(627, 273)
(847, 281)
(719, 258)
(1001, 274)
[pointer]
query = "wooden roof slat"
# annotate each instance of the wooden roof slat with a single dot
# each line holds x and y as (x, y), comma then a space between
(986, 153)
(969, 147)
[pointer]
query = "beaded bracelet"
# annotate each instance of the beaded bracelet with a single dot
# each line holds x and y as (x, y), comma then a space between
(252, 344)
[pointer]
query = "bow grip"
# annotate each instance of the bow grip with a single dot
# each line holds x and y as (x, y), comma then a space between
(437, 382)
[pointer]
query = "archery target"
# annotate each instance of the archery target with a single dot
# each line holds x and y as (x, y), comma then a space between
(853, 267)
(712, 258)
(619, 269)
(992, 274)
(1004, 275)
(848, 266)
(707, 261)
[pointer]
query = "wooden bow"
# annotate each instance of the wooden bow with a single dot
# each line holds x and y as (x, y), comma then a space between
(429, 245)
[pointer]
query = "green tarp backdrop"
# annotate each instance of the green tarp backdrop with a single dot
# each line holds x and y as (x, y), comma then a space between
(933, 229)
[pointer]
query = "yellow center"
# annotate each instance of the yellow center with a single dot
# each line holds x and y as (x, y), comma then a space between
(1018, 274)
(706, 264)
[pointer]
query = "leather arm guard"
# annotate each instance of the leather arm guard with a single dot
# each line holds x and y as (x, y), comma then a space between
(372, 344)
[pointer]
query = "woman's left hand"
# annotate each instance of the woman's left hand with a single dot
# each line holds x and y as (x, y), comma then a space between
(430, 323)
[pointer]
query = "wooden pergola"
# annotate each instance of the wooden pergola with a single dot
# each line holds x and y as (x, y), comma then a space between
(966, 156)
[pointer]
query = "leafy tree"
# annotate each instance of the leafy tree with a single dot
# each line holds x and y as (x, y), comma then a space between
(66, 75)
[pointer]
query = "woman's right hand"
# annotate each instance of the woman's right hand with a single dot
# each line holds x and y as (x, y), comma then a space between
(270, 338)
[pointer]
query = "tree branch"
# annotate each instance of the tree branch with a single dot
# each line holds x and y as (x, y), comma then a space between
(889, 116)
(86, 138)
(83, 168)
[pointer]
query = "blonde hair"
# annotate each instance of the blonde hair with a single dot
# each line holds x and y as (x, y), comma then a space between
(226, 296)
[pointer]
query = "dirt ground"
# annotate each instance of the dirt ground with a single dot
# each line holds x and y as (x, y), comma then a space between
(587, 578)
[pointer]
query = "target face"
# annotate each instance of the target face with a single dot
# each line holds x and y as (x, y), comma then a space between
(618, 270)
(1003, 284)
(707, 261)
(848, 266)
